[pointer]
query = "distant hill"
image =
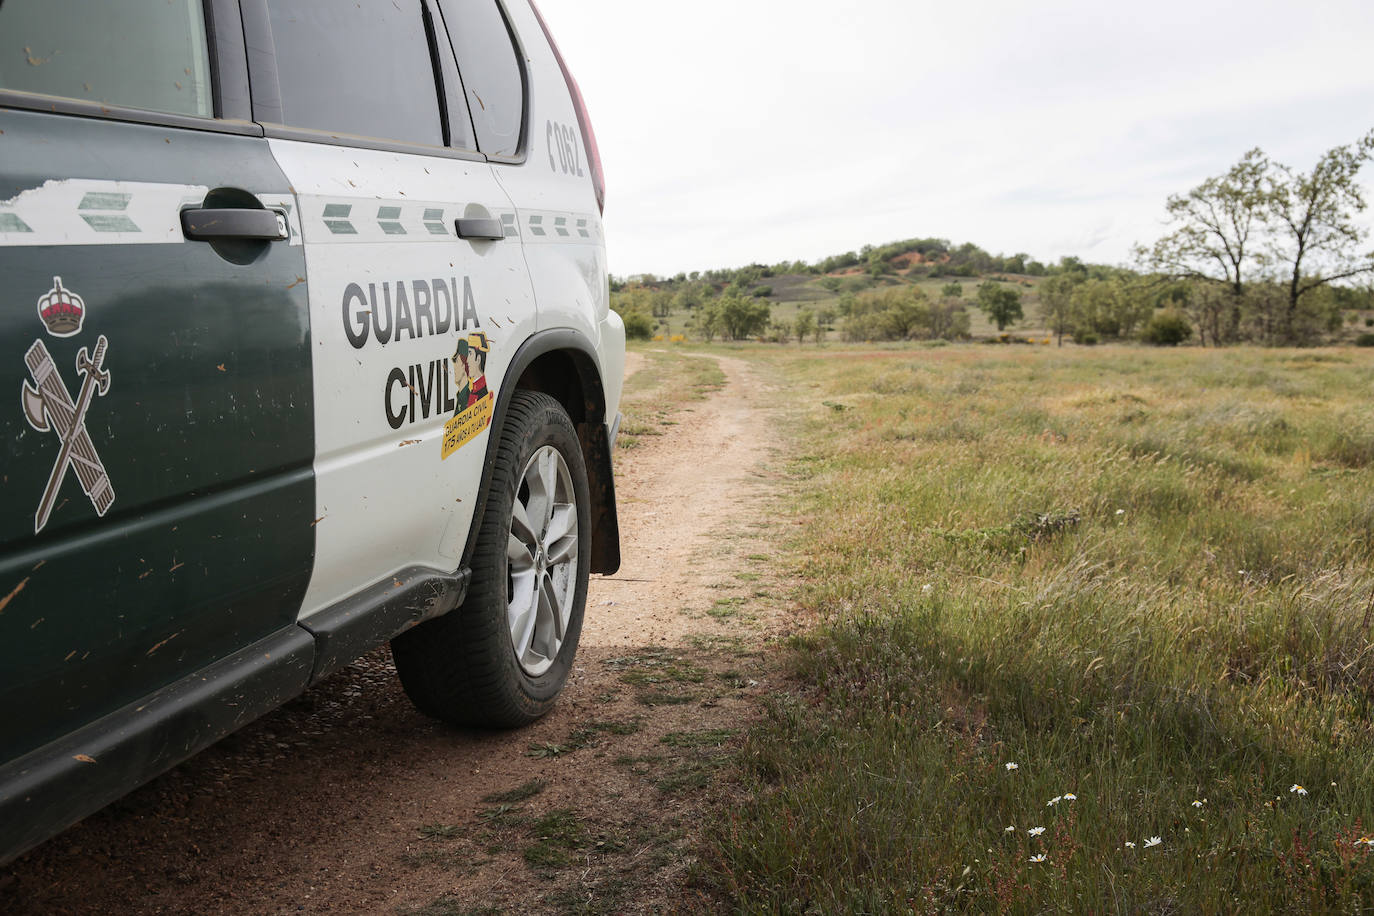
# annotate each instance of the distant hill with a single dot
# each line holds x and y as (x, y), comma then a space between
(912, 283)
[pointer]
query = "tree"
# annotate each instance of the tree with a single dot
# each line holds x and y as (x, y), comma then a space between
(1001, 303)
(742, 317)
(1216, 221)
(661, 303)
(896, 313)
(1168, 328)
(952, 291)
(1056, 303)
(824, 319)
(690, 296)
(1112, 305)
(948, 319)
(1314, 219)
(1208, 303)
(805, 325)
(709, 320)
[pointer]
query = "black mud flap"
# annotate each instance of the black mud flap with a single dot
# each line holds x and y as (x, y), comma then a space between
(596, 449)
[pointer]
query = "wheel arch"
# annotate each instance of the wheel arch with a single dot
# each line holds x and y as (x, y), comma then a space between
(562, 363)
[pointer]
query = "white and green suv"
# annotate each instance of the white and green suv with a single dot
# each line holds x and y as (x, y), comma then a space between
(306, 335)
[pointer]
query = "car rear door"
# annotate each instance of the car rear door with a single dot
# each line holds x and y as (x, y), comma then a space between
(156, 492)
(419, 294)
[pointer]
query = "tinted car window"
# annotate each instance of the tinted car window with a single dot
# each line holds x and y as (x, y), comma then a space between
(356, 68)
(135, 55)
(492, 79)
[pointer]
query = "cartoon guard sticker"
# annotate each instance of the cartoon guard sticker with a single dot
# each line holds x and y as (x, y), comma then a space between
(48, 405)
(473, 413)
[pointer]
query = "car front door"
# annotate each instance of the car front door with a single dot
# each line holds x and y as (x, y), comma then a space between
(156, 488)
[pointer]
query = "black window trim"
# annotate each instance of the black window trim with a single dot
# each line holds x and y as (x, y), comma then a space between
(222, 43)
(455, 97)
(357, 141)
(267, 107)
(228, 60)
(437, 69)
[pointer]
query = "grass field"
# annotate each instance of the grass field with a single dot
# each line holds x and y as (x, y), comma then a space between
(1123, 595)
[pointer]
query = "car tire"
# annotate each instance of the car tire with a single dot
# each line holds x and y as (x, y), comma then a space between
(501, 658)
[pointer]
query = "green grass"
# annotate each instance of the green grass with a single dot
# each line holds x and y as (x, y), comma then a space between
(562, 836)
(668, 380)
(1141, 576)
(520, 793)
(654, 667)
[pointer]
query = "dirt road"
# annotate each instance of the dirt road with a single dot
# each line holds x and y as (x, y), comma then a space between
(349, 801)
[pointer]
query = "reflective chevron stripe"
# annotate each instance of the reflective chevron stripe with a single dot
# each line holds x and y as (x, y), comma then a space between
(79, 211)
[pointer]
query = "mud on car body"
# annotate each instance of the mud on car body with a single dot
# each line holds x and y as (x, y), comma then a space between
(308, 346)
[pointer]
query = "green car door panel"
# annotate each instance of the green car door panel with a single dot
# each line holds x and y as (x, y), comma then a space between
(156, 496)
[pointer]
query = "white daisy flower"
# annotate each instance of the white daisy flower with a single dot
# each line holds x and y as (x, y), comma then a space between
(1054, 801)
(1130, 845)
(1010, 829)
(1153, 841)
(1069, 796)
(1036, 831)
(1011, 765)
(1038, 858)
(1298, 789)
(1197, 803)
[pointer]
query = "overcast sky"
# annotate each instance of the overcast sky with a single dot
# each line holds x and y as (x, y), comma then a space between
(747, 130)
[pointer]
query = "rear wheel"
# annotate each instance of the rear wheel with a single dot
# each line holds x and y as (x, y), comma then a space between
(503, 656)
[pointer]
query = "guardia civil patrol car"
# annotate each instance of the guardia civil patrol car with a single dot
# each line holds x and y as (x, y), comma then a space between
(306, 340)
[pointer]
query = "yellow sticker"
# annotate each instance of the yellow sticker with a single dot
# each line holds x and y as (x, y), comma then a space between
(465, 425)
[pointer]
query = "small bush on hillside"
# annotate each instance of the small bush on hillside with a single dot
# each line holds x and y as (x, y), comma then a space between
(1167, 328)
(1365, 340)
(1087, 338)
(638, 326)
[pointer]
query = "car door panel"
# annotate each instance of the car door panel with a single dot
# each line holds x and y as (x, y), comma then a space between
(198, 541)
(393, 289)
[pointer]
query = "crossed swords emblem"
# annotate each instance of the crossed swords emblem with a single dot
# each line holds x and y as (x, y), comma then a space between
(49, 406)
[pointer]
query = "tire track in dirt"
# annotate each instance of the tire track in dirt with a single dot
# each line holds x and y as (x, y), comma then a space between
(347, 800)
(675, 499)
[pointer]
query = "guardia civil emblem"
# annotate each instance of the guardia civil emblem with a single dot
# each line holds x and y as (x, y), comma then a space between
(49, 407)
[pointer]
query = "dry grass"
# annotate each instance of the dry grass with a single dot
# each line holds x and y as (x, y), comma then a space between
(1141, 576)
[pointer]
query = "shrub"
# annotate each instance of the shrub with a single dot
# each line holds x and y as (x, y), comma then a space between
(1167, 328)
(1369, 322)
(638, 326)
(1087, 338)
(1365, 340)
(762, 292)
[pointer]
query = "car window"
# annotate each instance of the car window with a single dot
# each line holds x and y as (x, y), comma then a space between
(492, 78)
(356, 68)
(135, 55)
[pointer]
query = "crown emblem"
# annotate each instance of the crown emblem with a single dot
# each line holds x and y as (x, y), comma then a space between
(61, 310)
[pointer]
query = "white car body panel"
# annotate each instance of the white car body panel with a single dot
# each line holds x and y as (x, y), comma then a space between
(386, 498)
(559, 220)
